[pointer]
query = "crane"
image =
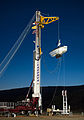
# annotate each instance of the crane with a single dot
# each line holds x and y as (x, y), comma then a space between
(38, 25)
(33, 105)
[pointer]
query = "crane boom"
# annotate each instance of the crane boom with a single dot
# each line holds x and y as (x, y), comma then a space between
(47, 20)
(44, 21)
(39, 24)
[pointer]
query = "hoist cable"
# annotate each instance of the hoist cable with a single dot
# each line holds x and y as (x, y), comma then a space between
(56, 87)
(56, 67)
(57, 78)
(58, 31)
(64, 72)
(20, 37)
(17, 45)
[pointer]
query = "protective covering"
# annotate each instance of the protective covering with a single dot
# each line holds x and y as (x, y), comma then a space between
(58, 51)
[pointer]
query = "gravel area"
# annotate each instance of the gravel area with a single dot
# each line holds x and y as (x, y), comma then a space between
(77, 117)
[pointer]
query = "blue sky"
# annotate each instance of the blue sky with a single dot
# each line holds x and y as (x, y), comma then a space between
(15, 15)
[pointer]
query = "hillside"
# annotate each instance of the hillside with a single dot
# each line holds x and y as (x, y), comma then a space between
(50, 95)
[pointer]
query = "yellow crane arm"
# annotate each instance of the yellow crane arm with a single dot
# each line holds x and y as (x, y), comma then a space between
(47, 20)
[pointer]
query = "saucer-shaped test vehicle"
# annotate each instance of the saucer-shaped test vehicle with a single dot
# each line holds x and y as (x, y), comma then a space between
(58, 51)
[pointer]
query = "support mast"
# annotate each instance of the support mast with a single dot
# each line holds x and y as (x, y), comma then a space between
(39, 24)
(37, 61)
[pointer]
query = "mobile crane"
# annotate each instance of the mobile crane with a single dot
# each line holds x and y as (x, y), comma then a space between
(38, 25)
(34, 105)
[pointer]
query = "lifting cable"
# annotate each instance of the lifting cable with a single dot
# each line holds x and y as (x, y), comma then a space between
(27, 96)
(58, 62)
(16, 46)
(58, 30)
(64, 72)
(57, 78)
(58, 66)
(62, 60)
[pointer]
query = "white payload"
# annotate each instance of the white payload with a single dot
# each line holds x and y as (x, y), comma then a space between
(58, 51)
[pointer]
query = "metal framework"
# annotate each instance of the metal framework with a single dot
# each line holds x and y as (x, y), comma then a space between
(65, 108)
